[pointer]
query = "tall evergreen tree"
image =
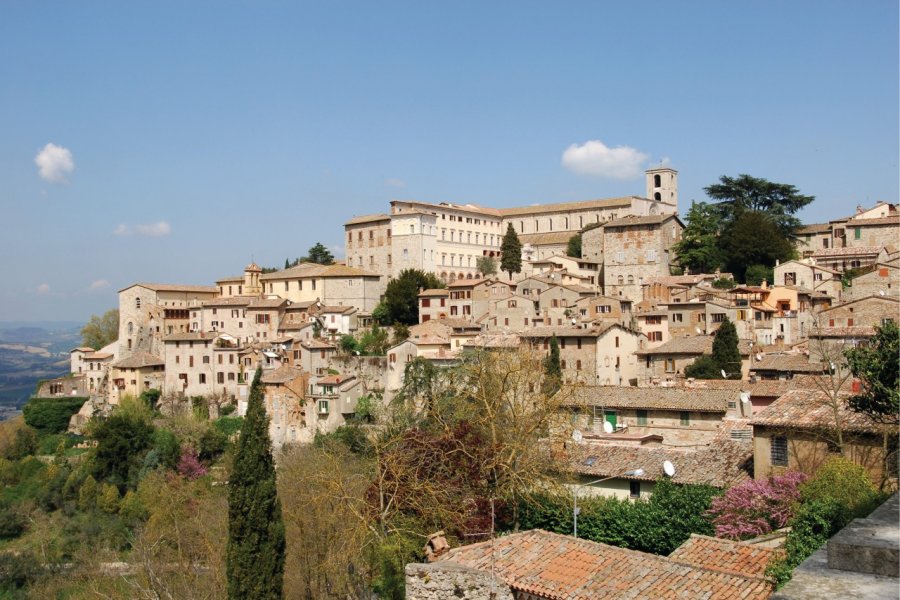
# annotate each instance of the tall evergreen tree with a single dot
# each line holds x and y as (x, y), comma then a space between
(725, 350)
(552, 369)
(511, 249)
(255, 553)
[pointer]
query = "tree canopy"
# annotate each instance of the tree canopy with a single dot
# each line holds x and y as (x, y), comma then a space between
(318, 254)
(101, 331)
(876, 366)
(400, 303)
(486, 265)
(725, 356)
(737, 195)
(511, 249)
(751, 223)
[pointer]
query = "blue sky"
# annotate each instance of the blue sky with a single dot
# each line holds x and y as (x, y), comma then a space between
(189, 137)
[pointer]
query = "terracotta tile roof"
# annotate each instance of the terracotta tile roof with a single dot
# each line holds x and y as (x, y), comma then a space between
(787, 361)
(443, 206)
(559, 331)
(282, 374)
(842, 332)
(174, 287)
(368, 219)
(558, 567)
(857, 222)
(232, 301)
(433, 292)
(549, 238)
(313, 270)
(465, 283)
(235, 279)
(318, 343)
(566, 206)
(814, 228)
(98, 355)
(494, 340)
(341, 310)
(887, 303)
(654, 398)
(812, 409)
(724, 556)
(139, 360)
(81, 349)
(632, 220)
(264, 303)
(722, 463)
(692, 344)
(824, 253)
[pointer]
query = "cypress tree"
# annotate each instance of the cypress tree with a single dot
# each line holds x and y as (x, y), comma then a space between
(511, 249)
(552, 369)
(725, 351)
(255, 553)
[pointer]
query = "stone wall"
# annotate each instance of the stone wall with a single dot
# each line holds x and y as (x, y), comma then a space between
(440, 581)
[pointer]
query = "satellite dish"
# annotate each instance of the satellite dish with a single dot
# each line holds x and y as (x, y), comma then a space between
(745, 397)
(698, 330)
(668, 468)
(574, 321)
(607, 427)
(724, 374)
(881, 292)
(577, 436)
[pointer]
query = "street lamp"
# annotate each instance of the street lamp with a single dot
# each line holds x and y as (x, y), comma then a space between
(630, 473)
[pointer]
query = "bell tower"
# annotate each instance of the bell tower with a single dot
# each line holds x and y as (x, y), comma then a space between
(662, 186)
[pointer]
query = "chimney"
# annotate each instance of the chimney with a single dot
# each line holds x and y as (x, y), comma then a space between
(436, 546)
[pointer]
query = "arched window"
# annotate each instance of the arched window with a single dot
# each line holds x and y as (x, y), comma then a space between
(657, 180)
(657, 196)
(630, 279)
(621, 280)
(130, 328)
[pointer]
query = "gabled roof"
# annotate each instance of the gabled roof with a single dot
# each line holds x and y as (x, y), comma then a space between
(313, 270)
(566, 206)
(368, 219)
(653, 398)
(872, 298)
(174, 287)
(849, 251)
(813, 410)
(232, 301)
(692, 344)
(282, 374)
(139, 360)
(722, 463)
(266, 303)
(559, 567)
(318, 343)
(814, 228)
(788, 362)
(433, 293)
(725, 556)
(632, 220)
(548, 238)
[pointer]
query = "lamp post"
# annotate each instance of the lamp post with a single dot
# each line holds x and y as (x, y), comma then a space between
(630, 473)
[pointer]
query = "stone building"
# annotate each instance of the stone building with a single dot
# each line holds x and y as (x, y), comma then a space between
(798, 432)
(666, 363)
(807, 273)
(332, 285)
(138, 372)
(448, 239)
(150, 311)
(882, 279)
(635, 250)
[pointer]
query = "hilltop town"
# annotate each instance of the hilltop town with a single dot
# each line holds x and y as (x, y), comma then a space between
(617, 314)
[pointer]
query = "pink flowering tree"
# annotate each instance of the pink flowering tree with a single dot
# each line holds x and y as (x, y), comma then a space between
(754, 507)
(189, 465)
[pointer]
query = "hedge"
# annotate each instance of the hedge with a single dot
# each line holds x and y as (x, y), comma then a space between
(51, 415)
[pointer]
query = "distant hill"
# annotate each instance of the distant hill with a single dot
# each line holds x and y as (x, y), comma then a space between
(30, 352)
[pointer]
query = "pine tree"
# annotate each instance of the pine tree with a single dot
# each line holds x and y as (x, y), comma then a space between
(255, 554)
(511, 262)
(725, 350)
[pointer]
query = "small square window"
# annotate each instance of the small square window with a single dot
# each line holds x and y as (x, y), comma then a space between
(779, 451)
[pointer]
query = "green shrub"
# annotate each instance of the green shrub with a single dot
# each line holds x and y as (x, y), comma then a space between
(812, 525)
(229, 425)
(212, 444)
(25, 443)
(12, 524)
(51, 414)
(845, 482)
(18, 570)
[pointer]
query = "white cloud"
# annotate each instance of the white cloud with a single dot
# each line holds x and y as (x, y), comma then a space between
(100, 284)
(393, 182)
(149, 229)
(54, 163)
(596, 158)
(153, 229)
(43, 289)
